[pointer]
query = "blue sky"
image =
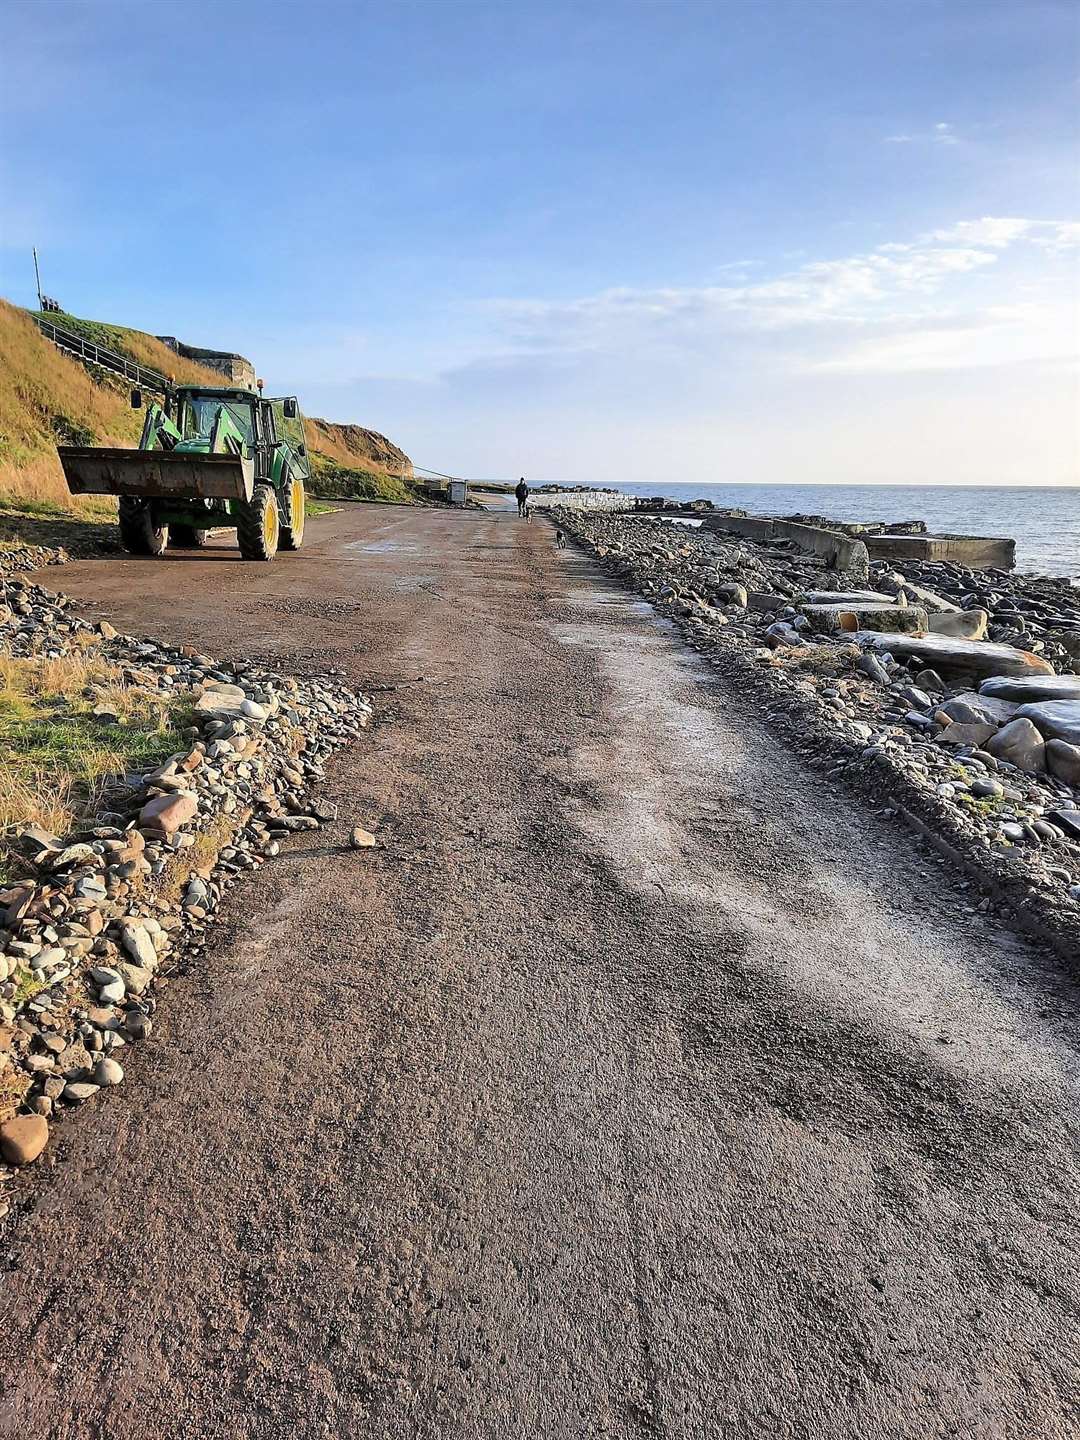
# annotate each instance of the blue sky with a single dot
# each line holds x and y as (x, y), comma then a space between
(607, 240)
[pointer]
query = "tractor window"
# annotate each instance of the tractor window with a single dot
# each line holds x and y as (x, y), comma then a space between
(291, 431)
(200, 411)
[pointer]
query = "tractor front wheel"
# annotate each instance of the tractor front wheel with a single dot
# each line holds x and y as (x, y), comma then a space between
(139, 531)
(258, 525)
(186, 537)
(292, 534)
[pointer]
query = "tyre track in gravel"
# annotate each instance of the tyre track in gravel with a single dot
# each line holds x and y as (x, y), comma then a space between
(638, 1085)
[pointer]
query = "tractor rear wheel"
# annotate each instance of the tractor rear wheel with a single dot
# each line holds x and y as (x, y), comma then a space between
(258, 525)
(292, 534)
(186, 537)
(139, 531)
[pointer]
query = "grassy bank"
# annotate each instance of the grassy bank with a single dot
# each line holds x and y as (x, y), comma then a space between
(69, 729)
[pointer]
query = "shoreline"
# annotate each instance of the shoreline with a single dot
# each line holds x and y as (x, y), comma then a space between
(875, 723)
(1039, 547)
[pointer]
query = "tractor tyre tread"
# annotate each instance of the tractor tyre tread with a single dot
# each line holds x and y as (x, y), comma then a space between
(251, 525)
(138, 532)
(292, 536)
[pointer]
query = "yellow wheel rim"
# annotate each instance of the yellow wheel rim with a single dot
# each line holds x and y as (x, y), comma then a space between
(297, 506)
(270, 525)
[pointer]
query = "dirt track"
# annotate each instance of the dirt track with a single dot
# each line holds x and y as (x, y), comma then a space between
(637, 1085)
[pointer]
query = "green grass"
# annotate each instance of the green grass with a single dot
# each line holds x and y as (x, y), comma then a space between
(26, 987)
(109, 337)
(314, 508)
(56, 760)
(333, 481)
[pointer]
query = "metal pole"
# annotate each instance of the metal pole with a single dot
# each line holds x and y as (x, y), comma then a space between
(37, 277)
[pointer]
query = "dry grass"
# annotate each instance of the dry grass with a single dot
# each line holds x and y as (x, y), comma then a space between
(201, 855)
(14, 1083)
(353, 447)
(47, 399)
(56, 760)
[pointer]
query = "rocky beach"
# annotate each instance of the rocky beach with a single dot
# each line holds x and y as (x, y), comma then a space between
(947, 696)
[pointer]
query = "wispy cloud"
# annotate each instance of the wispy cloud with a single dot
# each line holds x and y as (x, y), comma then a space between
(900, 305)
(943, 133)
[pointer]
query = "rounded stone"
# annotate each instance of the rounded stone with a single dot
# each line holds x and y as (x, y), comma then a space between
(108, 1072)
(23, 1138)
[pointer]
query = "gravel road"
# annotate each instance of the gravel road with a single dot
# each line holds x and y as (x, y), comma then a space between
(637, 1086)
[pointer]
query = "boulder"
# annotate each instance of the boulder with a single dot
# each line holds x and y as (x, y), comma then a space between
(1021, 745)
(1063, 761)
(852, 617)
(976, 658)
(960, 734)
(971, 708)
(1054, 719)
(781, 633)
(1027, 689)
(963, 624)
(225, 701)
(23, 1138)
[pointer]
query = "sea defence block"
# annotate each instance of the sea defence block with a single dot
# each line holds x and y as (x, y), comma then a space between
(847, 597)
(866, 615)
(978, 552)
(838, 551)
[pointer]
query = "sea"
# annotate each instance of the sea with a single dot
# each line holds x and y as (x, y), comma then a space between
(1043, 520)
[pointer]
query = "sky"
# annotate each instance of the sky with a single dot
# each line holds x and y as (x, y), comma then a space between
(594, 240)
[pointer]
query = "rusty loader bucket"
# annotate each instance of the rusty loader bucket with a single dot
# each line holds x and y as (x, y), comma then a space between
(156, 474)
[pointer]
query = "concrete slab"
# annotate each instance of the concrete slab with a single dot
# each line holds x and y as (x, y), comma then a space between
(977, 551)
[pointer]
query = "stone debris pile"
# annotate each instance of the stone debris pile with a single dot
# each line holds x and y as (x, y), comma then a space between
(17, 559)
(951, 694)
(94, 924)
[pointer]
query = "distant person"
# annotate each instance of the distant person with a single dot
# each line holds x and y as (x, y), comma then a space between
(521, 490)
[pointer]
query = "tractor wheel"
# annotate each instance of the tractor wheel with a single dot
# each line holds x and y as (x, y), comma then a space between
(292, 534)
(258, 525)
(139, 531)
(186, 537)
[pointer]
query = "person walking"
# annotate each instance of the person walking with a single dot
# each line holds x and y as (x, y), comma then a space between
(521, 490)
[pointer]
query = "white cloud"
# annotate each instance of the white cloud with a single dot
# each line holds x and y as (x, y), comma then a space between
(903, 306)
(942, 133)
(996, 231)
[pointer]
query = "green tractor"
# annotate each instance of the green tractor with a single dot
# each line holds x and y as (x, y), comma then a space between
(207, 459)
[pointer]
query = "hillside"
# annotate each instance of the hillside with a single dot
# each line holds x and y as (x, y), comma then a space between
(47, 399)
